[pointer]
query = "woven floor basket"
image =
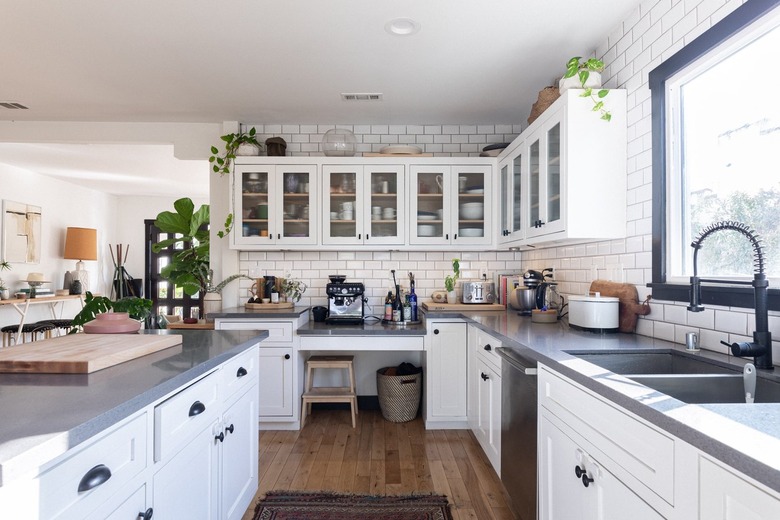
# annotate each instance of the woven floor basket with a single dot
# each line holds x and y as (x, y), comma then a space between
(546, 98)
(399, 396)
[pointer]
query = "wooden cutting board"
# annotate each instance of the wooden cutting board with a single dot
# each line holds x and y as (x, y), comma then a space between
(430, 305)
(81, 353)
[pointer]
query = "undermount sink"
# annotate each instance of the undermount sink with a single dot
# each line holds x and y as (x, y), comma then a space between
(685, 377)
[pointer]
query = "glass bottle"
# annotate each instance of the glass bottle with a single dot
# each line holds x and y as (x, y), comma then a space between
(412, 301)
(397, 305)
(407, 309)
(389, 306)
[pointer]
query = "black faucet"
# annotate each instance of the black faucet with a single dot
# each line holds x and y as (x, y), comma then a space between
(761, 346)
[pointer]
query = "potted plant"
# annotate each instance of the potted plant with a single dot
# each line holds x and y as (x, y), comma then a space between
(449, 282)
(293, 289)
(212, 298)
(137, 309)
(4, 292)
(235, 144)
(586, 75)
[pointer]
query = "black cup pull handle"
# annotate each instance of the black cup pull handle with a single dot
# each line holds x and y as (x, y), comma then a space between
(241, 372)
(488, 347)
(145, 515)
(287, 356)
(197, 408)
(94, 478)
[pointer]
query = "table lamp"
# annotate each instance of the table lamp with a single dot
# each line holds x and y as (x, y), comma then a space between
(80, 244)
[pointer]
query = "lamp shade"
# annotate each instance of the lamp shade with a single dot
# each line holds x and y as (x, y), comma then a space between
(80, 244)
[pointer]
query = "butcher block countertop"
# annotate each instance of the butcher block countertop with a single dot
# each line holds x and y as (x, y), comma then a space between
(44, 415)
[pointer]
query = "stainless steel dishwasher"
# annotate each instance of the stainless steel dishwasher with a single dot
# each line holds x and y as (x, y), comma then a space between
(518, 431)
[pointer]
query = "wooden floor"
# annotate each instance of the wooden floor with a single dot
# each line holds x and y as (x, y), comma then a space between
(381, 457)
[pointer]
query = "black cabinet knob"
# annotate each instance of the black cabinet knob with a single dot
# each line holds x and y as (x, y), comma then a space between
(484, 376)
(287, 356)
(435, 331)
(229, 429)
(94, 478)
(455, 236)
(145, 515)
(488, 347)
(583, 475)
(220, 437)
(241, 372)
(197, 408)
(360, 235)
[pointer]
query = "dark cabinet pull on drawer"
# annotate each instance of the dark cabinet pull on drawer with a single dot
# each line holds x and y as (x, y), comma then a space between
(94, 477)
(145, 515)
(488, 347)
(241, 372)
(287, 356)
(197, 408)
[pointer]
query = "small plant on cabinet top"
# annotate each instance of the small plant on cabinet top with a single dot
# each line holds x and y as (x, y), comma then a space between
(293, 289)
(582, 69)
(221, 163)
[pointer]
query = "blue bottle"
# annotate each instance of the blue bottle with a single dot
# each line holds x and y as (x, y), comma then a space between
(413, 300)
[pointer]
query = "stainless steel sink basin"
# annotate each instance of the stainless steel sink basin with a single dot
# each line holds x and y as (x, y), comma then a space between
(654, 362)
(709, 388)
(686, 377)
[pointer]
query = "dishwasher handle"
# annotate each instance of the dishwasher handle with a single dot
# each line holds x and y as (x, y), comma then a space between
(526, 366)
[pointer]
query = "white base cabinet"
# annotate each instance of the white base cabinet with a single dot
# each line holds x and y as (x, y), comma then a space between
(446, 375)
(725, 494)
(485, 393)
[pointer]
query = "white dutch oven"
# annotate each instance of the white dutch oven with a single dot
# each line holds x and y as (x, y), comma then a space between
(594, 312)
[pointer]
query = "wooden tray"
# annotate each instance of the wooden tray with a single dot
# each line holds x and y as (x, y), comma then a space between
(81, 353)
(430, 305)
(268, 306)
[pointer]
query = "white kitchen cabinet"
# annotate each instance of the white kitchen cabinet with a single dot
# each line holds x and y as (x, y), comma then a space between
(447, 373)
(726, 494)
(363, 204)
(451, 205)
(274, 204)
(238, 472)
(132, 506)
(488, 426)
(564, 177)
(276, 382)
(574, 484)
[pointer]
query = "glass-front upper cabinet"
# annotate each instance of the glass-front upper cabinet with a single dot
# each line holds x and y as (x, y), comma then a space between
(544, 181)
(274, 204)
(512, 174)
(448, 205)
(363, 204)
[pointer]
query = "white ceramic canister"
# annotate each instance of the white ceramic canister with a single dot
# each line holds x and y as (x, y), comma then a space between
(594, 312)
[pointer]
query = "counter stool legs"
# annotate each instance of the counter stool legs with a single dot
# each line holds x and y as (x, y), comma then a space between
(342, 394)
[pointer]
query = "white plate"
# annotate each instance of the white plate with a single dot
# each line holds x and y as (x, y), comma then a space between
(471, 232)
(401, 149)
(476, 190)
(425, 217)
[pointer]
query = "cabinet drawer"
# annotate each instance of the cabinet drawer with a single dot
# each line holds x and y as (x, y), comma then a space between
(643, 452)
(278, 331)
(181, 417)
(486, 347)
(100, 468)
(239, 372)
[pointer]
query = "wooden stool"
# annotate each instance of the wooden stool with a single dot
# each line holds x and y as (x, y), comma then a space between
(39, 330)
(343, 394)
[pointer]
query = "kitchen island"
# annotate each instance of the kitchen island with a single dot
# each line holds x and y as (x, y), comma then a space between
(53, 423)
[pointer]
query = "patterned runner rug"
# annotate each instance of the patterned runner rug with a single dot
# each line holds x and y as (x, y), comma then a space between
(292, 505)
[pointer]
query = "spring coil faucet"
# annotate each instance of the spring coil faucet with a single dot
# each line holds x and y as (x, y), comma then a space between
(761, 346)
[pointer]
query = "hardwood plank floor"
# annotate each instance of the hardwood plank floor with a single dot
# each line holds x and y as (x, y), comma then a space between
(381, 457)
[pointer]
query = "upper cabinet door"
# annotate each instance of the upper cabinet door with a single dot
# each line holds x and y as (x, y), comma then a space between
(513, 176)
(385, 209)
(472, 205)
(430, 205)
(295, 216)
(342, 208)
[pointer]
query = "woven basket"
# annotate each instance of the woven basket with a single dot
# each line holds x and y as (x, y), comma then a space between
(399, 396)
(546, 98)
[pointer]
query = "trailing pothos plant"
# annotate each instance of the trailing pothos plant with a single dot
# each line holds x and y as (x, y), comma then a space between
(582, 69)
(138, 308)
(221, 163)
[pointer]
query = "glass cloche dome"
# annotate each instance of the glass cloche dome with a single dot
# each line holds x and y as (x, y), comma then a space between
(338, 142)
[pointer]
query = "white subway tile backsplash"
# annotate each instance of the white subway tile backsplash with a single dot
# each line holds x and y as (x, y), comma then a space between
(730, 321)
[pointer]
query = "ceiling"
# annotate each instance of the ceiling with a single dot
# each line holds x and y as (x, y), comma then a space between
(258, 61)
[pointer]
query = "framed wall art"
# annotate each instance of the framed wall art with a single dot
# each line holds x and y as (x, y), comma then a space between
(21, 232)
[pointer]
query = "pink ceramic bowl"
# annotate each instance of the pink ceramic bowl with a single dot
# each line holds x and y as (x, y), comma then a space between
(112, 323)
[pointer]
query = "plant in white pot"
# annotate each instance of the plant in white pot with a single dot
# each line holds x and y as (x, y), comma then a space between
(235, 144)
(587, 76)
(450, 280)
(4, 292)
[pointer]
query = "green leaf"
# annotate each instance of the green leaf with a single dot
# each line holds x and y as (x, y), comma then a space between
(606, 116)
(603, 93)
(573, 62)
(214, 150)
(252, 131)
(584, 75)
(227, 138)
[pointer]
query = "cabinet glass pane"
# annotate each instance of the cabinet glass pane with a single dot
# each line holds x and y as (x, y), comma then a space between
(430, 205)
(471, 204)
(384, 204)
(504, 209)
(517, 208)
(342, 204)
(533, 167)
(295, 204)
(254, 199)
(554, 173)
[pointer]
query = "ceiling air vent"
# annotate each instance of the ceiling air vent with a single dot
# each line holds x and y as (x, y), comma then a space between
(350, 96)
(12, 105)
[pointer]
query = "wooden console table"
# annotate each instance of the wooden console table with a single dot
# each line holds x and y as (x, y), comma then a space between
(22, 306)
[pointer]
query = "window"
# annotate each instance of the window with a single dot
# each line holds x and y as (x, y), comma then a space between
(716, 127)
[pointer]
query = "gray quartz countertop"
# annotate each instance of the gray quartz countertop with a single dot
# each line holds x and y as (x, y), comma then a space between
(746, 437)
(241, 312)
(370, 327)
(44, 415)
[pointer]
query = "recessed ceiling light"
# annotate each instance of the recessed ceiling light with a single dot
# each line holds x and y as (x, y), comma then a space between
(402, 27)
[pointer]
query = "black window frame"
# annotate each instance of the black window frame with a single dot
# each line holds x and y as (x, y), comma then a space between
(742, 17)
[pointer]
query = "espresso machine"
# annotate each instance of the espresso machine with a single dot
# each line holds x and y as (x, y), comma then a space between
(345, 301)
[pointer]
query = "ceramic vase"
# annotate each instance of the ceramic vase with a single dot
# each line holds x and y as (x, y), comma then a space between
(212, 302)
(452, 297)
(5, 294)
(112, 323)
